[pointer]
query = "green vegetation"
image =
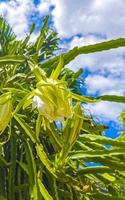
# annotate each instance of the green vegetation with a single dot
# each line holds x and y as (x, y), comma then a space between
(46, 138)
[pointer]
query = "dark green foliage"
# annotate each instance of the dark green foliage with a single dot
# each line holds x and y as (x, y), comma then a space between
(40, 158)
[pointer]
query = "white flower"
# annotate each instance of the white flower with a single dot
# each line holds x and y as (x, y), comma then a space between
(42, 107)
(52, 100)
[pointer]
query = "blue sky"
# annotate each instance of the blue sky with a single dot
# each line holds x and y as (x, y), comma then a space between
(82, 22)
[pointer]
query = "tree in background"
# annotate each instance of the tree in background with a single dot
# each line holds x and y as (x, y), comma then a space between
(46, 138)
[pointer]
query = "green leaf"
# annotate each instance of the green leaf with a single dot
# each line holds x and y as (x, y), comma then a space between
(7, 36)
(24, 167)
(24, 102)
(120, 42)
(94, 170)
(113, 98)
(44, 159)
(24, 43)
(44, 191)
(101, 140)
(26, 128)
(56, 72)
(70, 55)
(97, 153)
(12, 60)
(32, 28)
(5, 97)
(108, 177)
(41, 37)
(83, 98)
(54, 137)
(38, 126)
(112, 162)
(12, 169)
(70, 133)
(31, 165)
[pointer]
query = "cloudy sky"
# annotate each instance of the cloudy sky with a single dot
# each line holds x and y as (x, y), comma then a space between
(78, 23)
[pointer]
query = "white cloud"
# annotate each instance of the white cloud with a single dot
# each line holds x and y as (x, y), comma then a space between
(105, 111)
(16, 13)
(85, 40)
(111, 62)
(106, 17)
(105, 85)
(44, 7)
